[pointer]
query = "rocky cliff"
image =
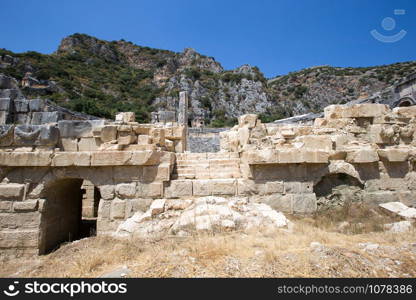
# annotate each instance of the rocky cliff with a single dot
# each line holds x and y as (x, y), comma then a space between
(101, 77)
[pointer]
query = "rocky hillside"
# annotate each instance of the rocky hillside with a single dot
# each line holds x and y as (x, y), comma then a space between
(100, 78)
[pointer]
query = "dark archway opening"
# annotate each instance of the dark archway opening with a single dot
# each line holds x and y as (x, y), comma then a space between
(337, 189)
(63, 217)
(405, 103)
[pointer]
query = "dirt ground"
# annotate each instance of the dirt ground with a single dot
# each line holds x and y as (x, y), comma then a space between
(348, 242)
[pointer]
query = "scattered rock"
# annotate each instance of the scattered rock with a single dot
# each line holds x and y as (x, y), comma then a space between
(117, 273)
(204, 214)
(397, 227)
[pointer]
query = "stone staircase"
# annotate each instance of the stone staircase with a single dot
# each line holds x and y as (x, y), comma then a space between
(207, 165)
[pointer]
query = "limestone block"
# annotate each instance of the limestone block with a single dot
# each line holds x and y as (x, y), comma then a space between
(126, 138)
(144, 139)
(24, 206)
(6, 135)
(30, 135)
(127, 173)
(26, 159)
(316, 142)
(223, 186)
(148, 158)
(260, 156)
(315, 156)
(274, 187)
(18, 238)
(110, 158)
(158, 136)
(118, 209)
(5, 206)
(362, 156)
(69, 144)
(126, 117)
(393, 154)
(290, 156)
(157, 207)
(108, 133)
(88, 144)
(248, 120)
(247, 187)
(178, 188)
(376, 198)
(176, 132)
(282, 203)
(107, 192)
(150, 190)
(156, 173)
(243, 135)
(78, 129)
(136, 147)
(407, 112)
(126, 190)
(142, 129)
(65, 159)
(365, 110)
(170, 145)
(140, 204)
(304, 203)
(201, 187)
(12, 191)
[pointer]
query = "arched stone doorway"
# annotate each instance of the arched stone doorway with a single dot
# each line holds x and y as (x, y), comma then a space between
(406, 101)
(336, 189)
(62, 214)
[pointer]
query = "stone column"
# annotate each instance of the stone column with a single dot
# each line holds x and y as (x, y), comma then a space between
(183, 115)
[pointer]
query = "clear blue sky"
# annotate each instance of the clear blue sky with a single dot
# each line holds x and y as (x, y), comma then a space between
(278, 36)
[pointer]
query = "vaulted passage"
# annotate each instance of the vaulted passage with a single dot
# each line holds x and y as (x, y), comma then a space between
(62, 216)
(337, 189)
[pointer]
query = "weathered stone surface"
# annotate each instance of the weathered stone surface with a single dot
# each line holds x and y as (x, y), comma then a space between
(71, 159)
(24, 206)
(157, 207)
(110, 158)
(304, 203)
(6, 135)
(11, 191)
(88, 144)
(362, 156)
(178, 188)
(26, 159)
(107, 192)
(118, 209)
(78, 129)
(394, 155)
(126, 190)
(204, 214)
(150, 190)
(248, 120)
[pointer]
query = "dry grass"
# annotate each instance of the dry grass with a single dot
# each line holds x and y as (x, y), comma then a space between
(255, 254)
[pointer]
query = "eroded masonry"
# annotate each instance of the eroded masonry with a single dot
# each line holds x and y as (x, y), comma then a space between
(58, 176)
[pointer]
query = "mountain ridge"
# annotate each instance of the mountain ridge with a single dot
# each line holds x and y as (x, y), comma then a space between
(101, 77)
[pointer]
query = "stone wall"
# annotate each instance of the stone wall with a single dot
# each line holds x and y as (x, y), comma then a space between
(369, 148)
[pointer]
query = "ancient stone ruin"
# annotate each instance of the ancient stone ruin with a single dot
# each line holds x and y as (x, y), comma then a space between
(129, 178)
